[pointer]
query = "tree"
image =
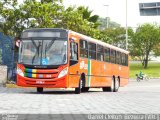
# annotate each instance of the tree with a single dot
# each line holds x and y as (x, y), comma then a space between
(73, 19)
(156, 50)
(47, 14)
(114, 34)
(117, 36)
(144, 41)
(17, 18)
(37, 14)
(86, 14)
(10, 16)
(103, 23)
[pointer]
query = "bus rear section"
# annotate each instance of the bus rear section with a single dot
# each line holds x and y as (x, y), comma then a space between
(101, 65)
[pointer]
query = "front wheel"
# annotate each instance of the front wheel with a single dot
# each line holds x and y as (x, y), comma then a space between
(85, 89)
(40, 89)
(78, 89)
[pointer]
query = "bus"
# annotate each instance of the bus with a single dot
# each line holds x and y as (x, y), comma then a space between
(60, 58)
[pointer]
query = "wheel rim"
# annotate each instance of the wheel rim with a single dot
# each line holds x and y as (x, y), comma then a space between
(81, 83)
(112, 85)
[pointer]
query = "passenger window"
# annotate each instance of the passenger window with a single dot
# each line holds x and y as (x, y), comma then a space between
(118, 57)
(107, 54)
(113, 56)
(92, 50)
(83, 48)
(126, 60)
(100, 53)
(123, 59)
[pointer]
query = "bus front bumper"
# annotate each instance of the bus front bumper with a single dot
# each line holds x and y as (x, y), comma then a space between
(45, 83)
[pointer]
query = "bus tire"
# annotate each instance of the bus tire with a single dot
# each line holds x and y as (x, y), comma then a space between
(39, 89)
(78, 89)
(106, 89)
(85, 89)
(109, 89)
(116, 84)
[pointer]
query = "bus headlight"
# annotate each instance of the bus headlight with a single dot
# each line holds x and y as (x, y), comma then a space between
(63, 72)
(20, 72)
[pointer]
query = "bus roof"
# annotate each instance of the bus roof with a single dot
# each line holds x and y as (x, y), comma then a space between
(41, 29)
(82, 36)
(99, 42)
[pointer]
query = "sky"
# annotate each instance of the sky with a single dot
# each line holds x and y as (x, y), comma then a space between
(116, 10)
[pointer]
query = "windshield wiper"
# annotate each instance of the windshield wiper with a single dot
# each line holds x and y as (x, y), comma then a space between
(47, 47)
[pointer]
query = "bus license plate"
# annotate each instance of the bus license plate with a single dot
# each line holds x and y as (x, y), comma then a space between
(39, 82)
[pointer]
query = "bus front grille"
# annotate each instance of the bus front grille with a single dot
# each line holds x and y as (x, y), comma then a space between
(41, 74)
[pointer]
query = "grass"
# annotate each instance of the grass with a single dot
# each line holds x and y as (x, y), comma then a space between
(153, 70)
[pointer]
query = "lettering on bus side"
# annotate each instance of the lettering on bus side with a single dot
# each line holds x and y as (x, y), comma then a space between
(83, 65)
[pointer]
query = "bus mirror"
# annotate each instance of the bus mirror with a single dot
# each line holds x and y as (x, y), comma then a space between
(71, 40)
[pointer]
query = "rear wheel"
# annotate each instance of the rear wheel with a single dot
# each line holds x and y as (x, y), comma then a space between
(109, 89)
(40, 89)
(116, 85)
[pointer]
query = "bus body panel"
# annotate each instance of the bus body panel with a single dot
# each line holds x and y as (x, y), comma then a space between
(101, 73)
(73, 72)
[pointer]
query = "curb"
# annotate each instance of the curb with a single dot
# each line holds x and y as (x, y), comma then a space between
(2, 85)
(12, 86)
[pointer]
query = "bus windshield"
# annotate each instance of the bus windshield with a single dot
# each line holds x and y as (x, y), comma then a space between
(43, 52)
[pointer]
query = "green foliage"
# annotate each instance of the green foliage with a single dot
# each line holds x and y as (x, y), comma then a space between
(103, 23)
(47, 1)
(86, 14)
(156, 49)
(117, 36)
(144, 41)
(151, 71)
(47, 14)
(41, 15)
(10, 16)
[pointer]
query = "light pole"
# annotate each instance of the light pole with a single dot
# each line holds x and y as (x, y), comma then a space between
(126, 29)
(107, 15)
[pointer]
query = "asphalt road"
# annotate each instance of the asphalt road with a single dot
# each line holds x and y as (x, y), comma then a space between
(135, 98)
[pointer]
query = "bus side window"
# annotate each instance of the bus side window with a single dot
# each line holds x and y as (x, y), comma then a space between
(83, 48)
(123, 59)
(118, 57)
(73, 53)
(113, 56)
(100, 53)
(92, 50)
(107, 54)
(126, 60)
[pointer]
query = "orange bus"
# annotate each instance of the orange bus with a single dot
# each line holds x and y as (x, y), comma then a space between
(60, 58)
